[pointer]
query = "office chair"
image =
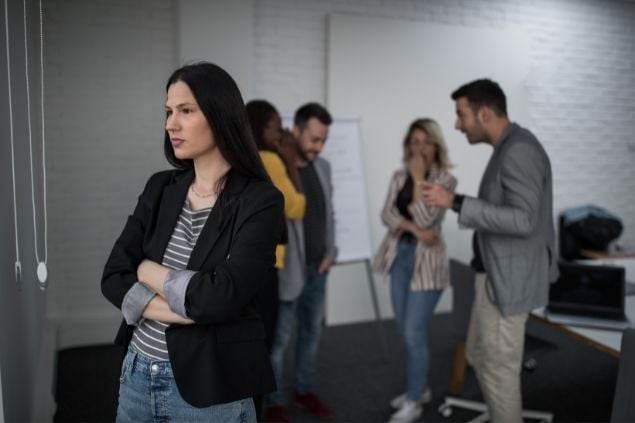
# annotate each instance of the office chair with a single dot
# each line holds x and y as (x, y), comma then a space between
(462, 277)
(623, 404)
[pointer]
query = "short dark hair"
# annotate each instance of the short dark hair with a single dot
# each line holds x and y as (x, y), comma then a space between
(483, 92)
(260, 113)
(220, 101)
(311, 110)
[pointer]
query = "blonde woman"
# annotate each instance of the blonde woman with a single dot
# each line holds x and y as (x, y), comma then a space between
(413, 253)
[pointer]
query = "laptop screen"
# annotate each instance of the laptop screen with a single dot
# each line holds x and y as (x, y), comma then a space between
(588, 290)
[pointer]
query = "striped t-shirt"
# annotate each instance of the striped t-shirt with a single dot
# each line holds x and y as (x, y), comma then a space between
(149, 336)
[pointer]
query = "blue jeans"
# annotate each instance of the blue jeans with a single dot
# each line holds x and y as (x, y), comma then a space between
(308, 309)
(148, 393)
(413, 311)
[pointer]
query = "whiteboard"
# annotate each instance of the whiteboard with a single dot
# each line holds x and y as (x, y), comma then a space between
(390, 72)
(343, 150)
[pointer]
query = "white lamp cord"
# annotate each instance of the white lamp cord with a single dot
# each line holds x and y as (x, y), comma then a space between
(45, 203)
(18, 266)
(28, 102)
(42, 272)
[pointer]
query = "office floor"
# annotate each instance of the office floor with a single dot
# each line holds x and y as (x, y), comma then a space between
(572, 380)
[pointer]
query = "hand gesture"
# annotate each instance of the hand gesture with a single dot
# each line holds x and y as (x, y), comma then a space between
(436, 195)
(325, 265)
(428, 236)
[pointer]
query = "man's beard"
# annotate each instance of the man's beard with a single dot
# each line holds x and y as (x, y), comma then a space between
(303, 155)
(476, 136)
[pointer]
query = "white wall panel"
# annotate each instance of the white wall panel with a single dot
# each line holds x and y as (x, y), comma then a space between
(106, 65)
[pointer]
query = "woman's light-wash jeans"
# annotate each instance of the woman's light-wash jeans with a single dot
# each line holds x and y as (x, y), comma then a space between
(148, 393)
(413, 311)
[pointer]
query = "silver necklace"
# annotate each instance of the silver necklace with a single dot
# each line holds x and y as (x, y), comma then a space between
(202, 195)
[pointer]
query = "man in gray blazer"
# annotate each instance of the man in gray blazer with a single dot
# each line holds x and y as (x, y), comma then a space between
(514, 252)
(309, 255)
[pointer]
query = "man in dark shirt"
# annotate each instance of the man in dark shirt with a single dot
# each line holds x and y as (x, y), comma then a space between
(310, 253)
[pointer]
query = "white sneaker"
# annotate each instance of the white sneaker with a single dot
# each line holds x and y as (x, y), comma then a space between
(408, 413)
(397, 401)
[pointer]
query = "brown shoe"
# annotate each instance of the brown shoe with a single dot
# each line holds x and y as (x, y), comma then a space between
(277, 414)
(313, 404)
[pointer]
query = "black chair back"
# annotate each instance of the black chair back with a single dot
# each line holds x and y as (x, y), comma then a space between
(624, 400)
(462, 279)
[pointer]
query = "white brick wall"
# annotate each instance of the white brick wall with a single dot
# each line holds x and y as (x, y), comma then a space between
(581, 85)
(107, 62)
(106, 66)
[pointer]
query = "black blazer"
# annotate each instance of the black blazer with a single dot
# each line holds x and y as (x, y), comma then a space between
(223, 356)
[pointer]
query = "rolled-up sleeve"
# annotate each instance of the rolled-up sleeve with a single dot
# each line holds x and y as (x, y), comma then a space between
(135, 301)
(174, 288)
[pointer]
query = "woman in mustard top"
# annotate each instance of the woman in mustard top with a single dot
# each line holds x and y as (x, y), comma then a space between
(278, 152)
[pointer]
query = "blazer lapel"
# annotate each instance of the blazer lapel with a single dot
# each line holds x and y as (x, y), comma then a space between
(214, 225)
(493, 165)
(206, 240)
(169, 210)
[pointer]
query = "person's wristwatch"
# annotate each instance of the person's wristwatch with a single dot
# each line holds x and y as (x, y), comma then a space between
(457, 202)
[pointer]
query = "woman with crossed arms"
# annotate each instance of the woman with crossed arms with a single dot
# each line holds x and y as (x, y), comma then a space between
(191, 262)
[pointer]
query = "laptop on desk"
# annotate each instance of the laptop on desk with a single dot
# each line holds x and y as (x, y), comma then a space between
(588, 295)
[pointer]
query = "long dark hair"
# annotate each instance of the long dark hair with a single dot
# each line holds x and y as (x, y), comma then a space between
(220, 101)
(260, 113)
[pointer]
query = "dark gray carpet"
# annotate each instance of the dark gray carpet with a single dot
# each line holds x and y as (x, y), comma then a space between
(355, 377)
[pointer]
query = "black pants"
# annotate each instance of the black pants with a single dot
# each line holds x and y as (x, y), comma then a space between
(267, 305)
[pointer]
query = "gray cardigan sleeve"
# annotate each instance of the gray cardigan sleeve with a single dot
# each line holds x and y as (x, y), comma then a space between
(175, 287)
(323, 169)
(135, 302)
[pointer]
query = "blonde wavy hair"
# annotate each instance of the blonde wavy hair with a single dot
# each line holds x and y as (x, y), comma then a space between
(433, 131)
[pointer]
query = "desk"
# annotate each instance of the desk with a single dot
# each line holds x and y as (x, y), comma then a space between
(608, 341)
(603, 255)
(605, 340)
